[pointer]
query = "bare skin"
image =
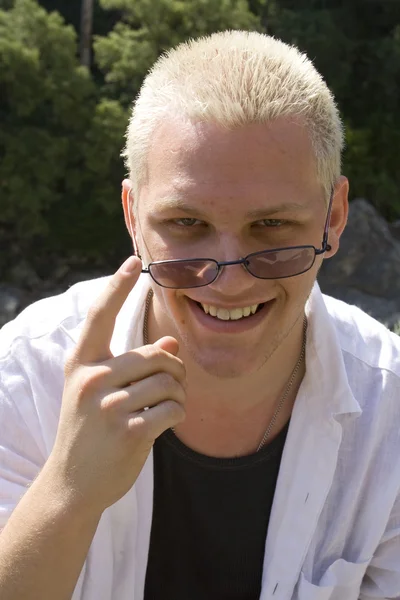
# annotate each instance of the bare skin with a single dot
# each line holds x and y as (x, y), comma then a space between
(217, 380)
(219, 193)
(103, 440)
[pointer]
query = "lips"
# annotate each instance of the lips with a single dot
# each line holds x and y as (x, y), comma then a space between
(229, 314)
(218, 325)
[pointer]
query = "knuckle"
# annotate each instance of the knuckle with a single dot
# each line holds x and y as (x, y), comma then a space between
(154, 353)
(166, 381)
(161, 361)
(171, 388)
(85, 383)
(91, 379)
(182, 369)
(138, 424)
(164, 360)
(112, 402)
(174, 410)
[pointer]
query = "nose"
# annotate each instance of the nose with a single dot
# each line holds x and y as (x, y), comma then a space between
(233, 279)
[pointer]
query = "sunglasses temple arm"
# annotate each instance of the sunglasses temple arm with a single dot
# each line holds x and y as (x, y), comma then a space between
(325, 244)
(138, 255)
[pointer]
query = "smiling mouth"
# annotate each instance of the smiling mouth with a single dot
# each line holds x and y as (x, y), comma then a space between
(235, 314)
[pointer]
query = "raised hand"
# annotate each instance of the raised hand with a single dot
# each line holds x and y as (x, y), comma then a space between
(113, 408)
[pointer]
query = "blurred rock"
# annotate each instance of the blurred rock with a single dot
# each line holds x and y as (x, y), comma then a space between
(23, 275)
(10, 303)
(385, 311)
(77, 275)
(366, 269)
(61, 272)
(395, 229)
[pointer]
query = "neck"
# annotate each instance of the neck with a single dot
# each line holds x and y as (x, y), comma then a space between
(229, 416)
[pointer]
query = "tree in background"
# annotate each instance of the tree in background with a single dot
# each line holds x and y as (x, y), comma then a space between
(356, 46)
(150, 27)
(62, 124)
(46, 105)
(62, 134)
(86, 32)
(59, 141)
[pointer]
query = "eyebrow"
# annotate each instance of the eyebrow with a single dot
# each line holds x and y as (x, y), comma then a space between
(177, 204)
(278, 208)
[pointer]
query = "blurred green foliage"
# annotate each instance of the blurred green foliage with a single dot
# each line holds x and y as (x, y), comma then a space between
(355, 44)
(148, 28)
(62, 126)
(59, 141)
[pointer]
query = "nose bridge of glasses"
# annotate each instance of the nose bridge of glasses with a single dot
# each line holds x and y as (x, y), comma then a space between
(240, 262)
(230, 263)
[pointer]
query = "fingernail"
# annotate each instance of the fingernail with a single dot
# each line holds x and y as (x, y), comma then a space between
(129, 266)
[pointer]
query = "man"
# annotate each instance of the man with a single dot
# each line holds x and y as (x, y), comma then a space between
(221, 429)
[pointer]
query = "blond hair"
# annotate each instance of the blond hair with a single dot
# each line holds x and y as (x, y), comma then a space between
(236, 78)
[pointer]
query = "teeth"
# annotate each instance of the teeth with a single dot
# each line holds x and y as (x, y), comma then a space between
(229, 315)
(235, 314)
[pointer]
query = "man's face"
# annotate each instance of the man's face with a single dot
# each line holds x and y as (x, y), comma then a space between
(214, 193)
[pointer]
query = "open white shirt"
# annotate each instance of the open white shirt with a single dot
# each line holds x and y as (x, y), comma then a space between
(334, 531)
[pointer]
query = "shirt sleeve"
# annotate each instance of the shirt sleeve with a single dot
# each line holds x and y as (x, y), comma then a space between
(20, 456)
(382, 579)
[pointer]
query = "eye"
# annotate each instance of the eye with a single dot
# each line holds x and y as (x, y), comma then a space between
(271, 222)
(186, 222)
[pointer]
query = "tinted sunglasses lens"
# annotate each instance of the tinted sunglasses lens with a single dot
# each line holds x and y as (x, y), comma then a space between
(281, 263)
(183, 274)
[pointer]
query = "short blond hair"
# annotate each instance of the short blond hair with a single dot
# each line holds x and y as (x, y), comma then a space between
(235, 78)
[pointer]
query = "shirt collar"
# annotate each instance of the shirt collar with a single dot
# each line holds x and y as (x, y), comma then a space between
(326, 374)
(128, 330)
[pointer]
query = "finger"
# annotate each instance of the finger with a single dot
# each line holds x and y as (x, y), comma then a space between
(143, 362)
(94, 341)
(169, 344)
(144, 394)
(158, 419)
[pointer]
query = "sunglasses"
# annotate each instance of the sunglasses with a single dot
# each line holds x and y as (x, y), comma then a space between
(277, 263)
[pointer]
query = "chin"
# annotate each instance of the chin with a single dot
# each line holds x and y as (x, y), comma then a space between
(222, 369)
(226, 365)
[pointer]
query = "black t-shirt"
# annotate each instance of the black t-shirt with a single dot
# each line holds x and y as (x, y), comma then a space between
(210, 520)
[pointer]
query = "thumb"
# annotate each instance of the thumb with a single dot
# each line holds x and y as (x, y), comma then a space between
(169, 344)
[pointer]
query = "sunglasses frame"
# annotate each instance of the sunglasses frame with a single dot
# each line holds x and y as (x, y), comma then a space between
(325, 247)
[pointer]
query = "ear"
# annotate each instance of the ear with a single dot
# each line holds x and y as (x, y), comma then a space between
(339, 214)
(127, 204)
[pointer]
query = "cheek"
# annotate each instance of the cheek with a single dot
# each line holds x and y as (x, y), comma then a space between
(170, 303)
(297, 289)
(163, 297)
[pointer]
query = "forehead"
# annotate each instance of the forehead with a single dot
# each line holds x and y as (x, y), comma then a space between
(217, 166)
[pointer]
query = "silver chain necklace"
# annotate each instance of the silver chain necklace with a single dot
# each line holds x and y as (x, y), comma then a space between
(289, 384)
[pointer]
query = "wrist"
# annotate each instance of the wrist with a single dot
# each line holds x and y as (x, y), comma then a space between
(64, 496)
